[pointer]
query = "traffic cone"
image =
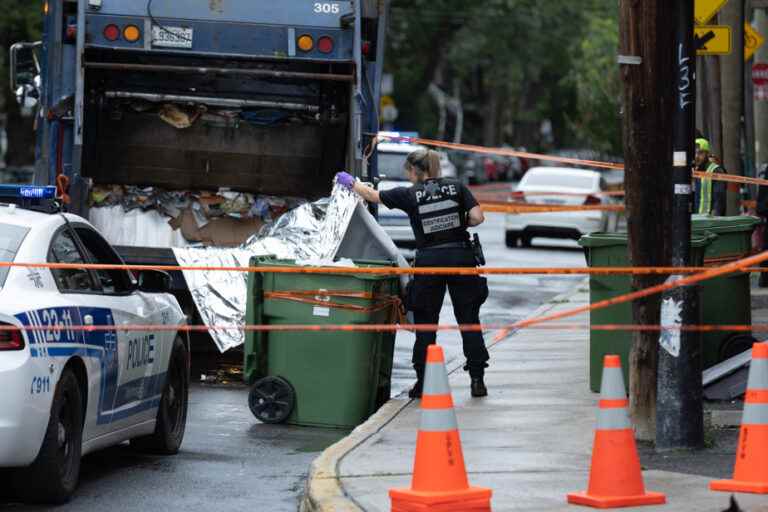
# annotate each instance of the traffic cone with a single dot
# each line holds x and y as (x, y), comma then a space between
(751, 470)
(439, 477)
(615, 479)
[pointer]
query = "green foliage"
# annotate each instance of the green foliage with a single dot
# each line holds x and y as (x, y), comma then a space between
(20, 20)
(518, 63)
(598, 87)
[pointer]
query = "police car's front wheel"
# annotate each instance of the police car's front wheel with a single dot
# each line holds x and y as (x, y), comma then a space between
(53, 476)
(172, 412)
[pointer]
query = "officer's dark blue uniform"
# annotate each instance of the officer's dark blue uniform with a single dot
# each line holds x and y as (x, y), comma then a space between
(438, 209)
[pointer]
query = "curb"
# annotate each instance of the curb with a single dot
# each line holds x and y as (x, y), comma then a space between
(324, 491)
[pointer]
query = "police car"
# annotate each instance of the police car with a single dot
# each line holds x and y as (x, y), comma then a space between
(68, 390)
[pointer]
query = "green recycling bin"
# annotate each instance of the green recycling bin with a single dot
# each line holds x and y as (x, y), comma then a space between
(610, 250)
(327, 379)
(733, 242)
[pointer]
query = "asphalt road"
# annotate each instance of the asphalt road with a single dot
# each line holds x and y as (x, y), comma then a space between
(229, 461)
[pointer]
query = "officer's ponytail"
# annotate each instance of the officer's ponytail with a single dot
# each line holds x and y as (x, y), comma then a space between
(425, 163)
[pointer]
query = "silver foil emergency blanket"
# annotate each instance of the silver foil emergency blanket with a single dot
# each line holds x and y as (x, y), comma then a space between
(312, 231)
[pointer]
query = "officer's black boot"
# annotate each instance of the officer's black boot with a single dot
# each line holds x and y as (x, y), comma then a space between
(478, 387)
(417, 388)
(476, 374)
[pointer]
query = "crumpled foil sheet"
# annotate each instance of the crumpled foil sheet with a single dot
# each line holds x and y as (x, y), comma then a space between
(312, 231)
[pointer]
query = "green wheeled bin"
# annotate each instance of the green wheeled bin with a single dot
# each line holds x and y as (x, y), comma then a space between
(324, 378)
(610, 250)
(726, 300)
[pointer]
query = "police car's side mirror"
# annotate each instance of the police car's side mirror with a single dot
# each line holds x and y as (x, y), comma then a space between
(154, 281)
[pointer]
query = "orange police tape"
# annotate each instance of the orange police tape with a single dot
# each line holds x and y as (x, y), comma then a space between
(505, 330)
(654, 290)
(498, 151)
(382, 328)
(550, 158)
(389, 271)
(500, 207)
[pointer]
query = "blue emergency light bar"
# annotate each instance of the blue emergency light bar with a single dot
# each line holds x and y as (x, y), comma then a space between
(27, 192)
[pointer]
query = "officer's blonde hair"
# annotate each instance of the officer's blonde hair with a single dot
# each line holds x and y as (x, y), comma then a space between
(425, 163)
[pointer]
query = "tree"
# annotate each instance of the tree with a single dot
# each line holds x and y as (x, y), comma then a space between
(596, 80)
(20, 20)
(507, 62)
(647, 32)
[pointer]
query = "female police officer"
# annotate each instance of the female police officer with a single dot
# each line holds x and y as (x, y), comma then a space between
(440, 211)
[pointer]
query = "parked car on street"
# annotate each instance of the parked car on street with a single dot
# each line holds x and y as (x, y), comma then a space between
(68, 391)
(559, 186)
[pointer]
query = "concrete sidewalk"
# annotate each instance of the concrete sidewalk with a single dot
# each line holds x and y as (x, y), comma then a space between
(530, 440)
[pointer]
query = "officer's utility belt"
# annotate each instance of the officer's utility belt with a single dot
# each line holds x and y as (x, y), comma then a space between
(474, 245)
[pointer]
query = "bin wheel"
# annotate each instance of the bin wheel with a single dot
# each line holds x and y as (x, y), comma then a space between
(272, 400)
(735, 345)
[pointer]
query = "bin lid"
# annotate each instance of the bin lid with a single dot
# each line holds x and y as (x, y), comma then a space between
(724, 224)
(620, 239)
(269, 261)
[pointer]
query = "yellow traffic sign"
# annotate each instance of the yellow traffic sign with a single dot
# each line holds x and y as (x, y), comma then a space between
(752, 41)
(705, 10)
(713, 40)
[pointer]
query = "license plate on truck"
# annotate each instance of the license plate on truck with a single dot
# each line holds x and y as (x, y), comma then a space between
(172, 37)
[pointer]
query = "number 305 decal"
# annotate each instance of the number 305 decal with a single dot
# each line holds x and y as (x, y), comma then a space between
(327, 8)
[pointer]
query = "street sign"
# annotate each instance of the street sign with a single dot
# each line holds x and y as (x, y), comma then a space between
(706, 9)
(761, 93)
(752, 41)
(713, 40)
(760, 74)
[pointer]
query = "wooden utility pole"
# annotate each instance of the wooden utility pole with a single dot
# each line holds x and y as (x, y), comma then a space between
(732, 73)
(761, 105)
(647, 30)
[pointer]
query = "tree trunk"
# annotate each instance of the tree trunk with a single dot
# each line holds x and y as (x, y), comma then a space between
(733, 98)
(646, 32)
(714, 100)
(761, 103)
(491, 117)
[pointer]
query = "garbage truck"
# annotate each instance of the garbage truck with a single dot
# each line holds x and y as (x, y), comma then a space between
(186, 112)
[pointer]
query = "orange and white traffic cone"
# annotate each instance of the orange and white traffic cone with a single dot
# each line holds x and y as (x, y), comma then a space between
(439, 476)
(751, 470)
(615, 479)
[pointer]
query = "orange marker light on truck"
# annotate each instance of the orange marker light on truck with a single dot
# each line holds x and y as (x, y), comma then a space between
(305, 43)
(131, 33)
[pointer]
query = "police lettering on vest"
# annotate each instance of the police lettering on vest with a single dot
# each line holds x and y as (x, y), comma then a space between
(440, 212)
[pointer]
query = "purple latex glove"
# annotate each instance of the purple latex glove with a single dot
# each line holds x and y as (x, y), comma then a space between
(345, 180)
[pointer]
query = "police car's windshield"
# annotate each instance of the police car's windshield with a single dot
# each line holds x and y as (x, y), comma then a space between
(11, 238)
(392, 166)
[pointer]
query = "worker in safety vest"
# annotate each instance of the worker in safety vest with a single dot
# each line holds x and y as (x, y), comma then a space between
(440, 211)
(711, 196)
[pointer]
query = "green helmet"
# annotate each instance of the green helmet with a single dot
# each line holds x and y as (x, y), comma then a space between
(703, 145)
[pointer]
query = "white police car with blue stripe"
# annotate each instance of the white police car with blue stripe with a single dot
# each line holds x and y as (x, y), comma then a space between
(68, 389)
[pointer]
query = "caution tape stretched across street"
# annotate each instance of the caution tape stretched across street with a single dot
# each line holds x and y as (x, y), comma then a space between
(551, 158)
(541, 322)
(394, 271)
